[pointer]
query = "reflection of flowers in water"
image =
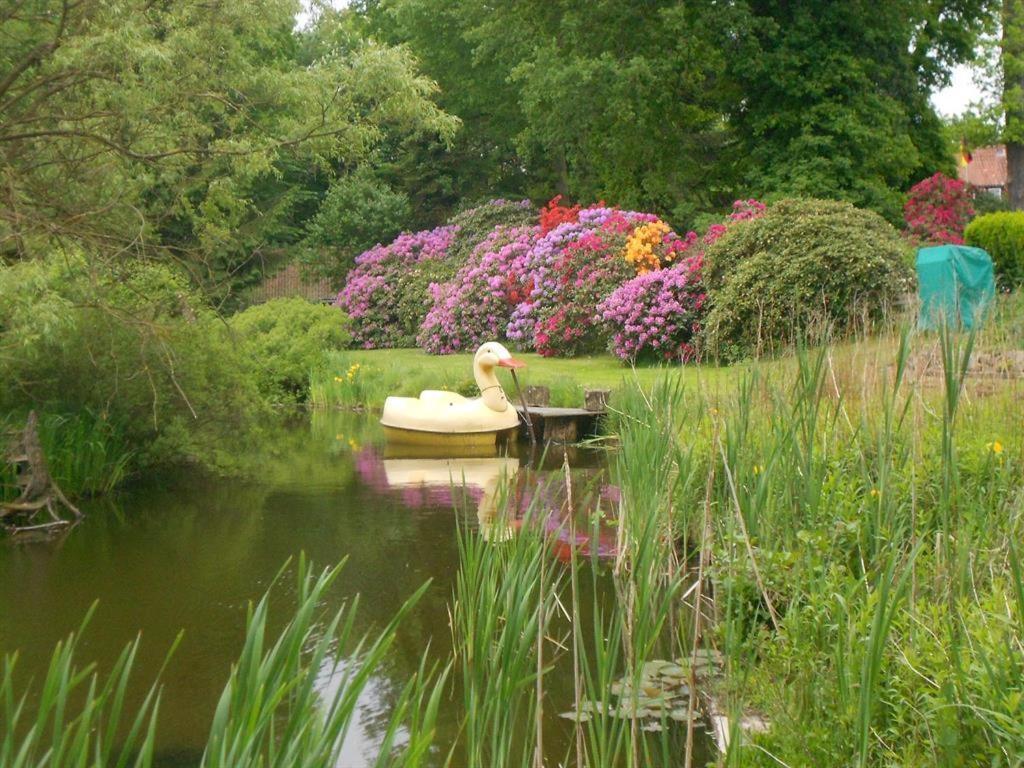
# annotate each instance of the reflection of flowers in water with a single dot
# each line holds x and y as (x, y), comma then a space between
(371, 469)
(533, 494)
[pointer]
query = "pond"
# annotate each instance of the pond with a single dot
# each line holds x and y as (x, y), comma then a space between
(186, 553)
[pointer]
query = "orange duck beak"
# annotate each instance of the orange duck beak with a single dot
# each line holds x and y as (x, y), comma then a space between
(511, 362)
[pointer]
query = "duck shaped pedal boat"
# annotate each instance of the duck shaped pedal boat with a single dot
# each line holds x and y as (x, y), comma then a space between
(439, 417)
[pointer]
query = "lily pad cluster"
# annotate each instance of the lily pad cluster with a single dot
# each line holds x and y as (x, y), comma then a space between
(659, 694)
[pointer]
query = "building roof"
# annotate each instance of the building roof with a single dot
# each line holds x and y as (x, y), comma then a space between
(987, 167)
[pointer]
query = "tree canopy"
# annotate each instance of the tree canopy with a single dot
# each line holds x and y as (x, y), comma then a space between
(220, 134)
(203, 131)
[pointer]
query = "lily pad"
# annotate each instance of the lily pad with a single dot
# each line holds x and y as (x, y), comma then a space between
(579, 717)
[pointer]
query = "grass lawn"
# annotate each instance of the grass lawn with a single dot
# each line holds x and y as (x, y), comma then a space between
(383, 372)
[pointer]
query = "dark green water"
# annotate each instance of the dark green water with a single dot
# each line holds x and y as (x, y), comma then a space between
(186, 553)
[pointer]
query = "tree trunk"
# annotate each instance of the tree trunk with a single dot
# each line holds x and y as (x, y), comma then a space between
(1015, 175)
(1012, 61)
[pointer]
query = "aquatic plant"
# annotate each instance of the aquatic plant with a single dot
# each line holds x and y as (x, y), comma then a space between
(77, 717)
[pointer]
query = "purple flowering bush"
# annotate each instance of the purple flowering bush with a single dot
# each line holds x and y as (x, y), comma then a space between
(393, 288)
(386, 295)
(656, 314)
(476, 305)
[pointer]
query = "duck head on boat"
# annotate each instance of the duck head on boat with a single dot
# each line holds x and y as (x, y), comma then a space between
(438, 416)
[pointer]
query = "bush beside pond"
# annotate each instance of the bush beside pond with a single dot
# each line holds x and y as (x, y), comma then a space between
(803, 263)
(129, 367)
(285, 340)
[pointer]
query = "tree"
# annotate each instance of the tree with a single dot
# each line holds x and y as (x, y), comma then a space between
(189, 130)
(598, 100)
(1011, 62)
(835, 96)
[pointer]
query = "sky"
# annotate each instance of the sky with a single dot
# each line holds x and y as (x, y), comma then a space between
(961, 91)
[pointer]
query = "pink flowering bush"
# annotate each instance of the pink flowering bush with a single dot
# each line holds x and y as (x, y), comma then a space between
(386, 293)
(392, 288)
(476, 305)
(937, 211)
(657, 314)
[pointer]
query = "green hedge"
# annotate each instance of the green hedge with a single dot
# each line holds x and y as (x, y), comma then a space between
(1002, 235)
(803, 264)
(285, 339)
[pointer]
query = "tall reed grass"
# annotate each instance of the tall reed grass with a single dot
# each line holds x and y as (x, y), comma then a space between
(87, 455)
(832, 543)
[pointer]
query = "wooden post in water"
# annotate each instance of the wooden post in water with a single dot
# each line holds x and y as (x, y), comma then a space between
(526, 410)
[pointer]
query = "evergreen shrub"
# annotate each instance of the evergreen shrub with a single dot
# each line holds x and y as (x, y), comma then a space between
(801, 263)
(285, 340)
(1002, 235)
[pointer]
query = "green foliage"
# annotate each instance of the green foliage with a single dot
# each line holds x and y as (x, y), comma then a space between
(835, 96)
(285, 339)
(206, 131)
(357, 212)
(130, 344)
(804, 263)
(1002, 235)
(623, 102)
(274, 710)
(78, 716)
(984, 203)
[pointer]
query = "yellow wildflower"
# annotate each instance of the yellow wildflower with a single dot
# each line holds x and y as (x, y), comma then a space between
(353, 444)
(995, 447)
(874, 492)
(338, 379)
(758, 469)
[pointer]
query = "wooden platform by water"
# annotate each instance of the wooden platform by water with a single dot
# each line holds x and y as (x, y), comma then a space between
(561, 425)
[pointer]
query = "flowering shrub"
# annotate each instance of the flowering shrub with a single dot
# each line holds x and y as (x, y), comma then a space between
(571, 269)
(554, 213)
(476, 305)
(386, 295)
(577, 281)
(937, 210)
(477, 224)
(656, 313)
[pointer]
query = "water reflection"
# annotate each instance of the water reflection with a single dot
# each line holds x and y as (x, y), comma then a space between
(188, 552)
(505, 491)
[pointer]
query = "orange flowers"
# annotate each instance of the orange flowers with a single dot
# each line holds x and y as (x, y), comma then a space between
(642, 245)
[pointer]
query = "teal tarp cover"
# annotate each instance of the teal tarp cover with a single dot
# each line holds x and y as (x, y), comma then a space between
(956, 283)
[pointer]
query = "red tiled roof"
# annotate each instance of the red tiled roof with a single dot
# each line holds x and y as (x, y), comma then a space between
(987, 167)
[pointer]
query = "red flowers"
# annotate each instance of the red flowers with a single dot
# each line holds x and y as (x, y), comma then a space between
(554, 213)
(937, 210)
